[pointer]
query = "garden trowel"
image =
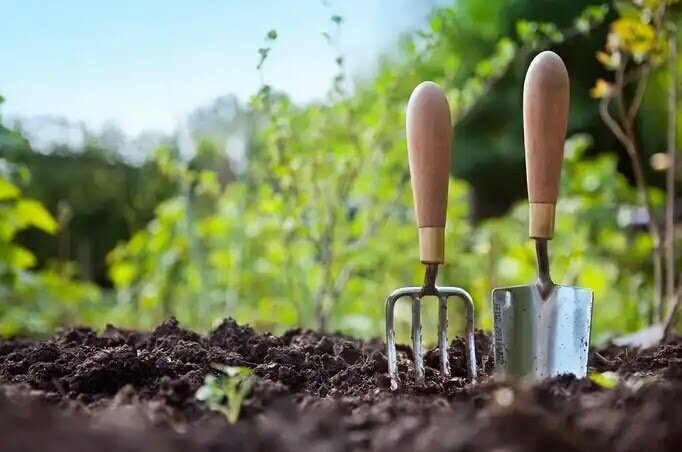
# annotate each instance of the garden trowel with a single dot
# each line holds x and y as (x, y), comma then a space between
(543, 329)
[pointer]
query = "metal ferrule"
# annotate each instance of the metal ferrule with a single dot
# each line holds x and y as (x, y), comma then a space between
(541, 220)
(432, 245)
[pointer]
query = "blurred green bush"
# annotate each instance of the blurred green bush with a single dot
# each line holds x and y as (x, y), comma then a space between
(321, 254)
(33, 301)
(319, 228)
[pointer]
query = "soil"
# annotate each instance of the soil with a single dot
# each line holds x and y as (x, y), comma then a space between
(134, 391)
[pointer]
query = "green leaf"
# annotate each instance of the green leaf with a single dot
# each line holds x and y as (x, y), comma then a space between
(263, 52)
(208, 183)
(627, 9)
(32, 213)
(122, 273)
(21, 258)
(582, 25)
(484, 68)
(205, 392)
(527, 31)
(220, 259)
(550, 30)
(8, 190)
(596, 13)
(436, 23)
(606, 380)
(226, 394)
(272, 35)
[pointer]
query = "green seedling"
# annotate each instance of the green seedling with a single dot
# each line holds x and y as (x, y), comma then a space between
(609, 380)
(226, 393)
(606, 380)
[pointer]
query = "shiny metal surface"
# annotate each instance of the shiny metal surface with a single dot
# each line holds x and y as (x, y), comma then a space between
(545, 284)
(416, 294)
(540, 336)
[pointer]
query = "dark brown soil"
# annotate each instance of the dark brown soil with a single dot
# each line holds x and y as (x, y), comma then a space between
(124, 390)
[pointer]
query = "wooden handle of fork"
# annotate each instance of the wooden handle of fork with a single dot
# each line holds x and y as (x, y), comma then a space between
(429, 137)
(545, 118)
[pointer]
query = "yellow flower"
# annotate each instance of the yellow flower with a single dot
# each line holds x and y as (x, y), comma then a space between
(634, 36)
(609, 60)
(601, 88)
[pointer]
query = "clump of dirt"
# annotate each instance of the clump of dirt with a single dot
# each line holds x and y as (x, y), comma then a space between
(665, 360)
(127, 390)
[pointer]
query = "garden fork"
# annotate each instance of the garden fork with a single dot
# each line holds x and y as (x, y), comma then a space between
(429, 136)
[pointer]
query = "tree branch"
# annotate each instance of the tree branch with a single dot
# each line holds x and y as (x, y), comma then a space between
(611, 123)
(640, 91)
(673, 314)
(625, 135)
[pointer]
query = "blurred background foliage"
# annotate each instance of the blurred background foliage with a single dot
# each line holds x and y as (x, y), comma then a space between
(314, 226)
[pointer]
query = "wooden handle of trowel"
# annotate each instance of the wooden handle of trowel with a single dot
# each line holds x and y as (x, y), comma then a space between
(545, 117)
(429, 137)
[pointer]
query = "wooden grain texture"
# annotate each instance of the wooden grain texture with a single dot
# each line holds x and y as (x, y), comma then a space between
(545, 117)
(429, 137)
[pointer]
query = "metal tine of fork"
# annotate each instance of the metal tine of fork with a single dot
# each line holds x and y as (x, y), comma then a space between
(415, 294)
(470, 342)
(391, 354)
(417, 346)
(443, 336)
(390, 342)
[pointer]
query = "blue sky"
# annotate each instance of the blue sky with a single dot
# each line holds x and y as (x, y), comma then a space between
(145, 64)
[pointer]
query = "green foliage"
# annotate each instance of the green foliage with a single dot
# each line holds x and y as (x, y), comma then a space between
(119, 198)
(226, 393)
(274, 258)
(264, 51)
(633, 36)
(320, 228)
(470, 36)
(50, 296)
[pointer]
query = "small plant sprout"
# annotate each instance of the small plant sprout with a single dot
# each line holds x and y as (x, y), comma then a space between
(606, 380)
(609, 380)
(226, 393)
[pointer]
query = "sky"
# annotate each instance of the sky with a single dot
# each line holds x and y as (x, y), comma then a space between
(146, 64)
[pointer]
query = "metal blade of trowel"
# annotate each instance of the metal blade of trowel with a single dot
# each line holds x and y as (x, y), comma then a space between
(541, 337)
(543, 329)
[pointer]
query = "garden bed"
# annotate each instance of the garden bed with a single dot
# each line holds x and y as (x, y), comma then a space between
(124, 390)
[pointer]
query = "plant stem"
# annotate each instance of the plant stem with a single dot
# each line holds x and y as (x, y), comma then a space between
(195, 255)
(626, 136)
(670, 175)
